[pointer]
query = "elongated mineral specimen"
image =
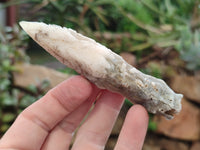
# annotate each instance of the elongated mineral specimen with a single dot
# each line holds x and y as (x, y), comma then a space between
(105, 68)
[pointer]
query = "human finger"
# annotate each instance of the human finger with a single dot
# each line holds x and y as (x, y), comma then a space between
(134, 129)
(60, 137)
(93, 134)
(32, 126)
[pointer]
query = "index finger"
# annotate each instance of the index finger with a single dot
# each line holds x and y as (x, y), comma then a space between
(32, 126)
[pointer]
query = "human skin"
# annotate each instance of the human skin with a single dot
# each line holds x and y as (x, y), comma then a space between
(50, 122)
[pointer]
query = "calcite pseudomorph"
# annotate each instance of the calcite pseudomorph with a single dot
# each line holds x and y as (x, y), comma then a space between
(104, 68)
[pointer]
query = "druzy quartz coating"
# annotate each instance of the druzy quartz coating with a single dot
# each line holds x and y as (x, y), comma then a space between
(105, 68)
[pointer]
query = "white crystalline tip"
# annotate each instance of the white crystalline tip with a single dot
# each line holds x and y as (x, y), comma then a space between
(105, 68)
(95, 54)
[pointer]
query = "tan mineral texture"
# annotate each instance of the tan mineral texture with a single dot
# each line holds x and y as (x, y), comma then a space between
(105, 68)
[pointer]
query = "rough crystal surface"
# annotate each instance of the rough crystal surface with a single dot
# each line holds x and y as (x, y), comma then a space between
(105, 68)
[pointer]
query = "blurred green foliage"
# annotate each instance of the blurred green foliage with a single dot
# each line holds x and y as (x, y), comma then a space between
(13, 100)
(154, 70)
(189, 49)
(152, 126)
(68, 71)
(164, 23)
(11, 50)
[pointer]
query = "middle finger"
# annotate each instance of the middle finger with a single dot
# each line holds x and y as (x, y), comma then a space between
(93, 134)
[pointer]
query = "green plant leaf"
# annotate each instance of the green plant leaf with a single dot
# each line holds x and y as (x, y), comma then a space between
(152, 126)
(140, 47)
(127, 102)
(8, 117)
(4, 128)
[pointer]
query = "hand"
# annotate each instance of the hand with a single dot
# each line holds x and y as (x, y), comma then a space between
(49, 123)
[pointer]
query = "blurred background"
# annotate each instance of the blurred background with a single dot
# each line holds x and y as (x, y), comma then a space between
(158, 37)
